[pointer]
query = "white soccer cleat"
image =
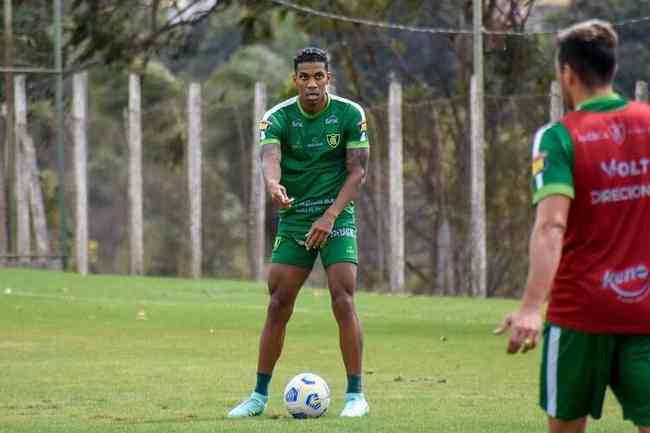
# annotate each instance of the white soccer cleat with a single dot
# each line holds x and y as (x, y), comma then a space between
(355, 406)
(254, 406)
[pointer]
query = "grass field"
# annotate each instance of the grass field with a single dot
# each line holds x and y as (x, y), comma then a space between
(119, 354)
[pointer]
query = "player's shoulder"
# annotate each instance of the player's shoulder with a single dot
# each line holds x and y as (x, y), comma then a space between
(551, 135)
(279, 110)
(348, 106)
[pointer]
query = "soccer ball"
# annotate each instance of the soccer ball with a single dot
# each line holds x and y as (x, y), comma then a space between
(307, 396)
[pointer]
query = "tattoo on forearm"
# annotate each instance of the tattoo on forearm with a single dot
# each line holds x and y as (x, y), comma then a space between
(271, 150)
(357, 159)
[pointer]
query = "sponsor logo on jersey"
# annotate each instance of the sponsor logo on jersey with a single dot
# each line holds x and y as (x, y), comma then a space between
(617, 132)
(539, 163)
(615, 168)
(296, 124)
(630, 285)
(625, 193)
(315, 142)
(333, 140)
(331, 120)
(592, 136)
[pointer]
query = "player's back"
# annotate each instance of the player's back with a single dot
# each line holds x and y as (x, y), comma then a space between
(604, 274)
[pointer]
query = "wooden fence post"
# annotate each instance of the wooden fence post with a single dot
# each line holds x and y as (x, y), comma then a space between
(641, 91)
(557, 102)
(257, 205)
(35, 196)
(194, 177)
(136, 247)
(395, 189)
(23, 237)
(80, 136)
(477, 188)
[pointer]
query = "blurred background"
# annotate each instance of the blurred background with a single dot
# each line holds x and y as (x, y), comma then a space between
(229, 45)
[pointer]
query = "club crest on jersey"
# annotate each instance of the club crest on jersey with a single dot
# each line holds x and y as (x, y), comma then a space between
(617, 132)
(333, 140)
(539, 163)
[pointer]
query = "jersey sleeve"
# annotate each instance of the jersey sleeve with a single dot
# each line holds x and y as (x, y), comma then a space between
(356, 129)
(271, 128)
(552, 167)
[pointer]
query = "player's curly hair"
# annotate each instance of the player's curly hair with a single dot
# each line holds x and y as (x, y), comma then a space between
(311, 55)
(590, 49)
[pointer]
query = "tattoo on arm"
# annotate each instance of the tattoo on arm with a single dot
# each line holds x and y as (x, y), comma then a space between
(271, 150)
(271, 156)
(357, 161)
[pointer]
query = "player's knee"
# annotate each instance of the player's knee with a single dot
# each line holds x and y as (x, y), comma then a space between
(280, 308)
(343, 304)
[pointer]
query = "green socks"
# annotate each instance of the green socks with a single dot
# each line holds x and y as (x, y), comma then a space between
(262, 384)
(354, 384)
(263, 380)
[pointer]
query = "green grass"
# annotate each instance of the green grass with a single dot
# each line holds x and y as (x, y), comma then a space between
(120, 354)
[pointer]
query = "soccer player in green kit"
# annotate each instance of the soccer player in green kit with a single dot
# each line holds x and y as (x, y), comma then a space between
(315, 152)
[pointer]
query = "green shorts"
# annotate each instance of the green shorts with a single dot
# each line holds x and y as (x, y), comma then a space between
(341, 246)
(577, 368)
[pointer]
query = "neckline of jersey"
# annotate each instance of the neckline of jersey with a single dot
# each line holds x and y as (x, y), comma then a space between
(611, 101)
(314, 116)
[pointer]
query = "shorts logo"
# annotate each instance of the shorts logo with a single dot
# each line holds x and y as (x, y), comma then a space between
(626, 283)
(277, 242)
(539, 164)
(347, 232)
(333, 140)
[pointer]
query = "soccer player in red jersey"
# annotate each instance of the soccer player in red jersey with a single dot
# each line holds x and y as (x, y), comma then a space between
(590, 244)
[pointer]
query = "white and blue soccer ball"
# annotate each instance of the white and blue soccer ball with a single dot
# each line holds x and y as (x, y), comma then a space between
(307, 396)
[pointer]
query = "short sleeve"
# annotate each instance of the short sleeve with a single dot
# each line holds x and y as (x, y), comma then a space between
(552, 166)
(356, 128)
(271, 129)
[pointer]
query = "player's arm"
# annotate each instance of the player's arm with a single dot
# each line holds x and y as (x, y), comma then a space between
(553, 190)
(357, 166)
(545, 251)
(271, 155)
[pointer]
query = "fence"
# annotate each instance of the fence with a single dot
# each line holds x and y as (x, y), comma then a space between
(173, 185)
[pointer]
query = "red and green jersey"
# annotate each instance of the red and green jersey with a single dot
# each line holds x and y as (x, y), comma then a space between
(599, 156)
(314, 156)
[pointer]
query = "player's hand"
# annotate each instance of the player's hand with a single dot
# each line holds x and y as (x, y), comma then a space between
(525, 325)
(320, 231)
(279, 195)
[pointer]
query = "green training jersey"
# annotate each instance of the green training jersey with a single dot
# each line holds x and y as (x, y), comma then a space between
(314, 156)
